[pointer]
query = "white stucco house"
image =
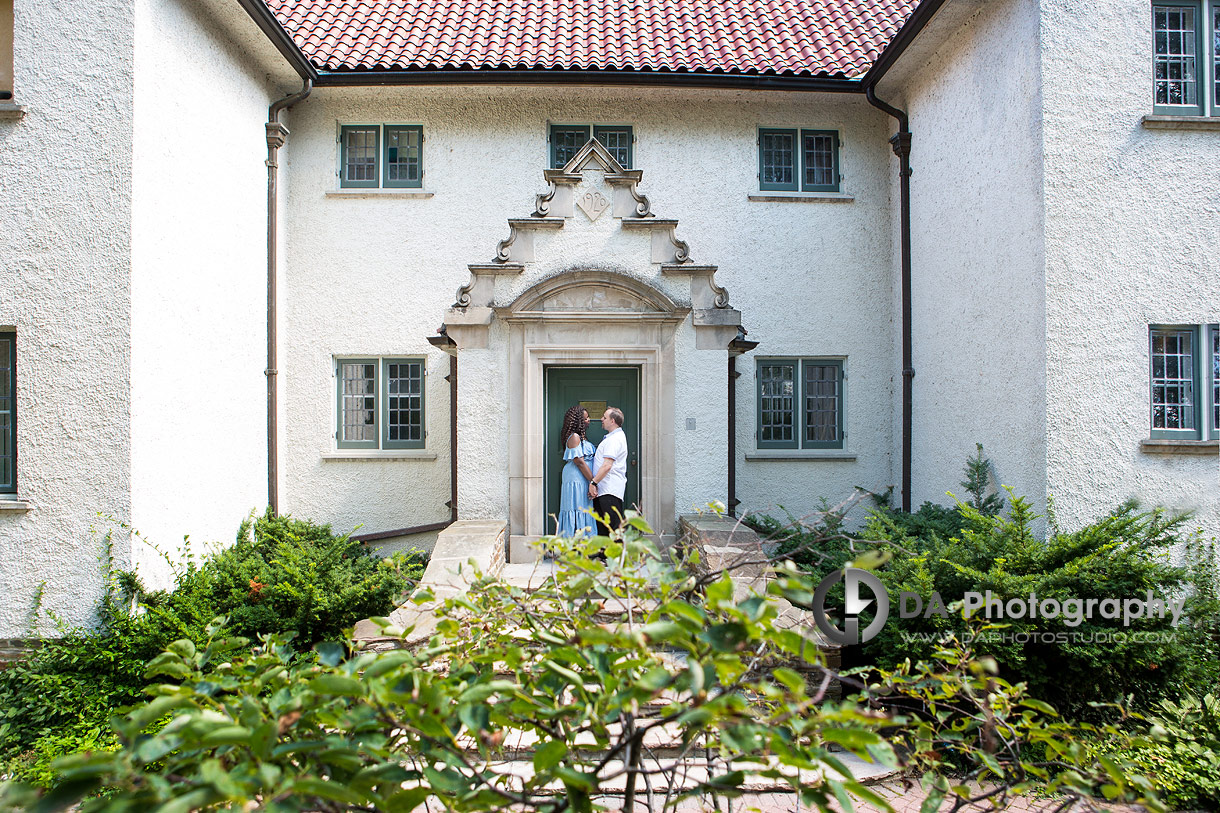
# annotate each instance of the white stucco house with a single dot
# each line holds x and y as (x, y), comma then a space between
(351, 258)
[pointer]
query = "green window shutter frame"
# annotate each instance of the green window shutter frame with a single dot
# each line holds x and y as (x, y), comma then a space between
(1212, 361)
(811, 151)
(1202, 66)
(8, 413)
(408, 138)
(358, 408)
(619, 140)
(778, 164)
(403, 425)
(565, 140)
(838, 398)
(773, 432)
(353, 144)
(1168, 405)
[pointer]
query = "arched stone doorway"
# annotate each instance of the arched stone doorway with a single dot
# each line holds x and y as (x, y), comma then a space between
(591, 279)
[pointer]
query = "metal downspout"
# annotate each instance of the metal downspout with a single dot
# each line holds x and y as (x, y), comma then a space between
(901, 144)
(453, 461)
(277, 134)
(732, 495)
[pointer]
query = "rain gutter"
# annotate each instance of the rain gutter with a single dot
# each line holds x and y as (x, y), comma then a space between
(901, 144)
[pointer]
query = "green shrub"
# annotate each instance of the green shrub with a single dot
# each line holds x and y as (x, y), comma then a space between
(972, 547)
(687, 661)
(287, 576)
(292, 575)
(1121, 555)
(1183, 757)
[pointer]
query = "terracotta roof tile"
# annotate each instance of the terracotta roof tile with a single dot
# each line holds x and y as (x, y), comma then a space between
(829, 38)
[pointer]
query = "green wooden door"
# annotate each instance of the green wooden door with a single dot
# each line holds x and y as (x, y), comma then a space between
(596, 388)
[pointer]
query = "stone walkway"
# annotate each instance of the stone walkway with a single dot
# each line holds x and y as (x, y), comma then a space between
(901, 799)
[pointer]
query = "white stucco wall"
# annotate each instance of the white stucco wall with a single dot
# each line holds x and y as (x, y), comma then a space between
(65, 207)
(374, 276)
(977, 253)
(1132, 239)
(198, 281)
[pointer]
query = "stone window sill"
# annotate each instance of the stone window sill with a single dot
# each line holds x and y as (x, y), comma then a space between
(801, 454)
(1208, 448)
(1181, 122)
(801, 197)
(15, 506)
(378, 454)
(11, 110)
(397, 194)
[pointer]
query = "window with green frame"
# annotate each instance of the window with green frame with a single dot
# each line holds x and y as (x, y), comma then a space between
(567, 139)
(801, 403)
(791, 160)
(380, 403)
(373, 156)
(1184, 381)
(8, 412)
(1186, 57)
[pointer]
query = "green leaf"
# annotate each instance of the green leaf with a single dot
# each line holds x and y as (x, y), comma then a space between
(481, 691)
(726, 637)
(183, 648)
(575, 779)
(549, 755)
(226, 735)
(660, 631)
(853, 739)
(790, 678)
(1045, 708)
(475, 716)
(332, 791)
(405, 801)
(330, 653)
(336, 685)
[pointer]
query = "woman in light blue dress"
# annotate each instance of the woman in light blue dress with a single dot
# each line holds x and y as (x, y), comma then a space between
(574, 504)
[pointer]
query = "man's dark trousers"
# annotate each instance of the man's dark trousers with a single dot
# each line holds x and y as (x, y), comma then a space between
(612, 508)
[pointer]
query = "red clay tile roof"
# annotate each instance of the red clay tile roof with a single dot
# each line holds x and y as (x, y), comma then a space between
(824, 38)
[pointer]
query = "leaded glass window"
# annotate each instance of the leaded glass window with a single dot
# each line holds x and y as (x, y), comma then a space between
(1175, 56)
(357, 403)
(1173, 376)
(8, 413)
(617, 141)
(800, 403)
(402, 156)
(359, 156)
(777, 159)
(1216, 57)
(404, 403)
(821, 161)
(566, 141)
(776, 404)
(1215, 381)
(823, 416)
(381, 403)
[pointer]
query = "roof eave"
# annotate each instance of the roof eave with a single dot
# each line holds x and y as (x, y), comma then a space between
(906, 35)
(280, 38)
(555, 76)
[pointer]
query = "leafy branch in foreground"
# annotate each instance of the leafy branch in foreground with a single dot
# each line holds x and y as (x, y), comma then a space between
(630, 676)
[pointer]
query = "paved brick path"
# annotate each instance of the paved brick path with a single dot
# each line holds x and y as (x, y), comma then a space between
(902, 800)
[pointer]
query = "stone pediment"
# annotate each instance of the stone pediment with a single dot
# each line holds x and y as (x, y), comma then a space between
(590, 189)
(593, 294)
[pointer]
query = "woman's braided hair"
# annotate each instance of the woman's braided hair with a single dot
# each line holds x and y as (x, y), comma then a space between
(573, 422)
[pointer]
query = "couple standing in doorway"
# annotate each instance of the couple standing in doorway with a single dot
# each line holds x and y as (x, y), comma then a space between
(592, 479)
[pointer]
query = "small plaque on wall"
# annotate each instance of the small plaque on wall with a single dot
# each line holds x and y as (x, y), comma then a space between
(596, 409)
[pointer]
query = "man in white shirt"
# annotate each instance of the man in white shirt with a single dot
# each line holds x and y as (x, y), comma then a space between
(609, 482)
